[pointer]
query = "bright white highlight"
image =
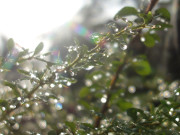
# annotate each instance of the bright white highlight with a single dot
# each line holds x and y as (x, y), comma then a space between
(26, 20)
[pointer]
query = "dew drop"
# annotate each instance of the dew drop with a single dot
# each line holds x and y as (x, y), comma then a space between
(166, 94)
(69, 50)
(104, 99)
(89, 67)
(19, 98)
(27, 105)
(108, 74)
(75, 49)
(79, 107)
(88, 82)
(92, 89)
(115, 45)
(60, 86)
(46, 94)
(95, 77)
(12, 106)
(177, 119)
(132, 89)
(15, 126)
(142, 39)
(166, 29)
(96, 38)
(12, 118)
(68, 83)
(52, 85)
(42, 56)
(4, 108)
(61, 99)
(65, 71)
(42, 124)
(72, 73)
(58, 106)
(123, 47)
(116, 30)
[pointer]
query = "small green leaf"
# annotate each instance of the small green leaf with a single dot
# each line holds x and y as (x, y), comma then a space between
(126, 11)
(123, 105)
(96, 38)
(10, 44)
(3, 103)
(149, 40)
(133, 113)
(23, 72)
(87, 125)
(25, 52)
(52, 132)
(13, 87)
(146, 17)
(71, 125)
(85, 104)
(39, 48)
(162, 26)
(164, 13)
(156, 37)
(84, 92)
(142, 67)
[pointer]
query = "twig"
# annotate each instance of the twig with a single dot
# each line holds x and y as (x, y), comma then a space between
(112, 86)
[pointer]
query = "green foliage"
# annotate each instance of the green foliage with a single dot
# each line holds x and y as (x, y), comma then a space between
(164, 13)
(125, 12)
(10, 44)
(110, 102)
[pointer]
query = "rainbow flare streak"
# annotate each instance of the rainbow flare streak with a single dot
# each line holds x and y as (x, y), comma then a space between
(80, 30)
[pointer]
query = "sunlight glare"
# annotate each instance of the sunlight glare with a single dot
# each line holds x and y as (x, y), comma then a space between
(26, 21)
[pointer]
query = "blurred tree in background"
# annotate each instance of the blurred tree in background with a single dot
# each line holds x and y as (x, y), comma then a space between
(124, 80)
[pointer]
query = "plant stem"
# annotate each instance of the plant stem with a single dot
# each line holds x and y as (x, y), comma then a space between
(112, 86)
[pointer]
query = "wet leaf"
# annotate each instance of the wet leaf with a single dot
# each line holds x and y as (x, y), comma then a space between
(24, 72)
(71, 125)
(38, 48)
(126, 11)
(147, 17)
(142, 67)
(52, 132)
(164, 13)
(84, 92)
(149, 40)
(123, 105)
(10, 44)
(133, 113)
(13, 87)
(3, 103)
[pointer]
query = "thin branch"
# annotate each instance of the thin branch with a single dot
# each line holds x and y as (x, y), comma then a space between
(112, 86)
(151, 5)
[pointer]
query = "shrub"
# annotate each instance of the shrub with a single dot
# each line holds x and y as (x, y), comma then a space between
(123, 93)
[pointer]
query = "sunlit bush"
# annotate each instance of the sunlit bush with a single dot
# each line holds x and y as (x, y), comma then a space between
(122, 92)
